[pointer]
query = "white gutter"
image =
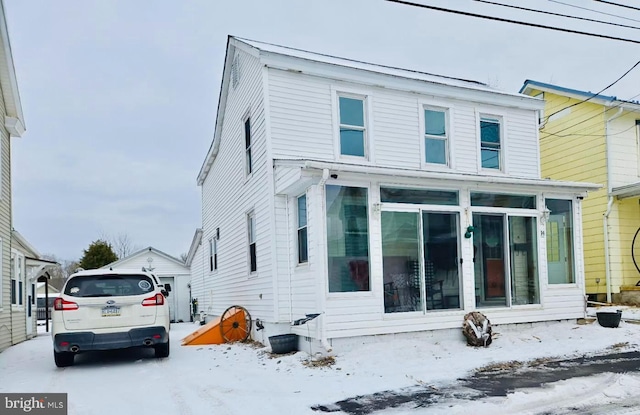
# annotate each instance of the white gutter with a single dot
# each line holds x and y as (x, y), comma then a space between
(323, 323)
(605, 219)
(445, 177)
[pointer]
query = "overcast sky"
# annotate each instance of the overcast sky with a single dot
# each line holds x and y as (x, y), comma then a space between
(120, 96)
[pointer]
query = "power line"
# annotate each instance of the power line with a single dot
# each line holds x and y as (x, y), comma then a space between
(617, 4)
(585, 135)
(594, 11)
(500, 19)
(598, 113)
(596, 94)
(557, 14)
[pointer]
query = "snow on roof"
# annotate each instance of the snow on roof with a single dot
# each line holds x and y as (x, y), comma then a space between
(367, 66)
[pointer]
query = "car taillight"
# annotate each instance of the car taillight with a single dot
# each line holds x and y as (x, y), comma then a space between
(157, 299)
(61, 304)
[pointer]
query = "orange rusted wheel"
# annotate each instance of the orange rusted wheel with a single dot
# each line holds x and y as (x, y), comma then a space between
(235, 324)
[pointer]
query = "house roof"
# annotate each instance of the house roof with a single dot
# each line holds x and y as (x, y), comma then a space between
(466, 178)
(14, 121)
(144, 251)
(26, 246)
(319, 64)
(530, 86)
(195, 243)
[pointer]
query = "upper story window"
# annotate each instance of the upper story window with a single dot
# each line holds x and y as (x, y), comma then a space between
(251, 229)
(436, 136)
(247, 146)
(303, 248)
(353, 133)
(491, 143)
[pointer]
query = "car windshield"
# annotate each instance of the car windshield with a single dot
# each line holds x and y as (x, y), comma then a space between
(108, 285)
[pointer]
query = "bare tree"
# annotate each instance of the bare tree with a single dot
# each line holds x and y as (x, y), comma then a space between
(121, 244)
(60, 274)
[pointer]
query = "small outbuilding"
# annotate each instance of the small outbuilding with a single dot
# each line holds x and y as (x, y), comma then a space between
(170, 270)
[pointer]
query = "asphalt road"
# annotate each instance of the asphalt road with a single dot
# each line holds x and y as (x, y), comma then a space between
(501, 380)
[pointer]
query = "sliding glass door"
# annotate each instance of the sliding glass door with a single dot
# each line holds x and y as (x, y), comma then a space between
(420, 261)
(505, 260)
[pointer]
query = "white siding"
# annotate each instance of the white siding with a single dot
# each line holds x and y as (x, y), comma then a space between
(622, 142)
(160, 263)
(303, 111)
(301, 114)
(198, 273)
(12, 325)
(228, 195)
(298, 283)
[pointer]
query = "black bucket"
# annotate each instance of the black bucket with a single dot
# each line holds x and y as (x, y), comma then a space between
(284, 343)
(609, 319)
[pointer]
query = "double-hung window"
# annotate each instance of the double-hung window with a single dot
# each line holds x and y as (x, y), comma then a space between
(303, 250)
(14, 281)
(436, 137)
(353, 132)
(491, 143)
(247, 146)
(251, 228)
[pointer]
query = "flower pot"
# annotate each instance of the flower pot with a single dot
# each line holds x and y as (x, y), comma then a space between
(609, 319)
(284, 343)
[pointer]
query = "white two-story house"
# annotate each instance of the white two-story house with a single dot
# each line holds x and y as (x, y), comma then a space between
(385, 200)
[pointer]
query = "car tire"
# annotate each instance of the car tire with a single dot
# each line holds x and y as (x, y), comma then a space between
(63, 359)
(162, 350)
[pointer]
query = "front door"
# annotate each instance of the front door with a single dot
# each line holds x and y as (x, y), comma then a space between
(489, 259)
(420, 261)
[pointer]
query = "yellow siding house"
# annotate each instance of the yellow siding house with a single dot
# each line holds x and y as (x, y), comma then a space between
(594, 138)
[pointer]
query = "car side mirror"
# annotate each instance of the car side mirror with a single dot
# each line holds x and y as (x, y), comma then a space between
(167, 287)
(164, 292)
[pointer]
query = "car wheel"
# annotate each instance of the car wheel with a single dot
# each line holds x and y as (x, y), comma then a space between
(63, 359)
(162, 350)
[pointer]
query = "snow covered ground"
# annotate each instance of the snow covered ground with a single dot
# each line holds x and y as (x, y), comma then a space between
(246, 379)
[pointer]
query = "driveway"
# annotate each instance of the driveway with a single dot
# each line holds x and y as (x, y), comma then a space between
(417, 374)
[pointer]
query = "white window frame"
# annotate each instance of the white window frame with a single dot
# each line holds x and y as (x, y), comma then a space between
(448, 110)
(251, 240)
(298, 228)
(502, 150)
(366, 97)
(249, 165)
(213, 254)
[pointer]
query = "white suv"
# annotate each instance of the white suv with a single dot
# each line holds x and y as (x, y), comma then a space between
(110, 309)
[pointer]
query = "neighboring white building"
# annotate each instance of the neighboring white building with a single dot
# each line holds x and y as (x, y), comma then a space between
(386, 200)
(12, 316)
(28, 270)
(170, 270)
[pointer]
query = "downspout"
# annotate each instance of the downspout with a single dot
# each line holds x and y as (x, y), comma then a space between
(323, 325)
(605, 220)
(290, 265)
(607, 269)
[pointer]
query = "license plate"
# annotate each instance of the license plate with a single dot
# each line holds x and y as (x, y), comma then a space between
(110, 311)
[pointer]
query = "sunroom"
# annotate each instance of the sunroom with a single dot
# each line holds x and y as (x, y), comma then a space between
(401, 245)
